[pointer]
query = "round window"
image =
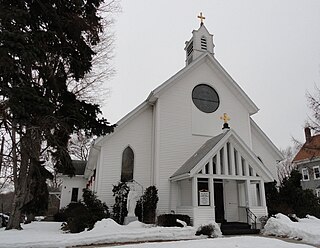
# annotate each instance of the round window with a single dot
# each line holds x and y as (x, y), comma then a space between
(205, 98)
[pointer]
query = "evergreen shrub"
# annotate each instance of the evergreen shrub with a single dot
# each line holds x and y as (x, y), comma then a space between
(169, 220)
(147, 205)
(119, 209)
(84, 214)
(291, 198)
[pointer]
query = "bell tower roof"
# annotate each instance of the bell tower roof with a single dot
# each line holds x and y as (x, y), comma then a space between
(200, 42)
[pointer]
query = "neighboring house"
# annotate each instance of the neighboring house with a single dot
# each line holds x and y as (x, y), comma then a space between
(174, 140)
(71, 188)
(307, 161)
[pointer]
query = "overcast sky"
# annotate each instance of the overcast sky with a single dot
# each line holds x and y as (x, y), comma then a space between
(271, 48)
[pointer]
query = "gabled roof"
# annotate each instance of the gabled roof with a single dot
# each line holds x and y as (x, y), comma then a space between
(154, 95)
(198, 155)
(229, 82)
(211, 147)
(310, 150)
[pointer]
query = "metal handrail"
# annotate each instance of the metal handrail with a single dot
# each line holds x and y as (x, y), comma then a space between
(252, 217)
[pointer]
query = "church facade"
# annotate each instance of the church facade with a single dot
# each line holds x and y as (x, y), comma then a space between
(175, 141)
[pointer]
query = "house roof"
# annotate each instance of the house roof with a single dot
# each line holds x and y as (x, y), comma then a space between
(79, 167)
(309, 150)
(198, 155)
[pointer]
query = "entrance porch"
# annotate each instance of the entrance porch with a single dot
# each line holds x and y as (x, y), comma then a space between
(222, 200)
(222, 181)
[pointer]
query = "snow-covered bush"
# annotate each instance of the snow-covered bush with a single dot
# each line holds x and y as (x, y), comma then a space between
(211, 229)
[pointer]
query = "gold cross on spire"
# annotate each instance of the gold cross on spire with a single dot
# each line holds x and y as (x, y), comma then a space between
(225, 118)
(201, 17)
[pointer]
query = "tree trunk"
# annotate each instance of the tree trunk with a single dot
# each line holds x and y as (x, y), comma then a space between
(20, 187)
(1, 152)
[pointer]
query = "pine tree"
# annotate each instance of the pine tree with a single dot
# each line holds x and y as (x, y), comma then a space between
(44, 45)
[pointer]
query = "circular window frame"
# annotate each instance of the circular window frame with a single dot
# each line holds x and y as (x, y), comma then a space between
(202, 102)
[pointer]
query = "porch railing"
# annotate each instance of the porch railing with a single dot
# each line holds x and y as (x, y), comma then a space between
(252, 217)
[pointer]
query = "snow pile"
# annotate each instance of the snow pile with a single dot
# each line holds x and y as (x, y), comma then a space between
(306, 229)
(48, 234)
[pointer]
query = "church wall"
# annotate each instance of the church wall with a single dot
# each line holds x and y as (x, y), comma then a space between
(263, 150)
(179, 119)
(137, 134)
(211, 124)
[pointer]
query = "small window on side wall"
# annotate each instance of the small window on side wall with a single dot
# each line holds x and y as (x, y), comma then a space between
(305, 174)
(316, 172)
(127, 165)
(74, 194)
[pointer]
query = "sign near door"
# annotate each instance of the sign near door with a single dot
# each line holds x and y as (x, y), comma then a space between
(204, 198)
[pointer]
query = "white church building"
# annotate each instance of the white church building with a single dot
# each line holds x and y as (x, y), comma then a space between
(175, 141)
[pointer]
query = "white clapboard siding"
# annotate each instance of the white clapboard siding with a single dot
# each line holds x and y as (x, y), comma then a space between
(202, 215)
(186, 211)
(185, 193)
(180, 130)
(136, 134)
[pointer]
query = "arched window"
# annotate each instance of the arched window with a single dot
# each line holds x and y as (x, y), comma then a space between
(127, 165)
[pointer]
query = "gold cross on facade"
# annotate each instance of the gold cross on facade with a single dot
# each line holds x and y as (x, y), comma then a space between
(225, 118)
(201, 17)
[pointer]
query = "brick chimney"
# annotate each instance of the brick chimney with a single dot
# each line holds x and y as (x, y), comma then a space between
(307, 132)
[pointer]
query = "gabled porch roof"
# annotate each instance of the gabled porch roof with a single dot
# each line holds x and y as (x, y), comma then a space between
(225, 155)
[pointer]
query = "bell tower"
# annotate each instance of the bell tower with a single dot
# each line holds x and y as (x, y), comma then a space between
(200, 42)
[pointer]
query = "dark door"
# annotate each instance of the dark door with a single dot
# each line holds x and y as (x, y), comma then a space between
(218, 201)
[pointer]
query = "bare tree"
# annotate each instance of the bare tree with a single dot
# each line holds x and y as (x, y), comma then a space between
(79, 146)
(285, 166)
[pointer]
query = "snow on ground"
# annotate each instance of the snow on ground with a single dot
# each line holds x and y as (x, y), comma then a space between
(48, 234)
(231, 242)
(306, 229)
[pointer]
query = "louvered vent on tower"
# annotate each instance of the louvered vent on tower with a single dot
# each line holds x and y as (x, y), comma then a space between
(203, 43)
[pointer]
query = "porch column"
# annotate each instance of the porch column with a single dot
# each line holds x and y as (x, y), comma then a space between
(211, 166)
(232, 160)
(225, 170)
(239, 164)
(194, 192)
(248, 193)
(254, 173)
(218, 164)
(246, 166)
(262, 194)
(211, 190)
